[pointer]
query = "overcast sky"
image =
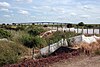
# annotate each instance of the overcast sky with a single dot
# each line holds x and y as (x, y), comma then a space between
(73, 11)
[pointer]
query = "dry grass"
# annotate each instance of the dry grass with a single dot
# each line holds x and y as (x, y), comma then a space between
(88, 49)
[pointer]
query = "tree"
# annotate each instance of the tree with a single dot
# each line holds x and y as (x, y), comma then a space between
(45, 26)
(33, 23)
(69, 25)
(81, 24)
(3, 24)
(36, 31)
(90, 26)
(14, 24)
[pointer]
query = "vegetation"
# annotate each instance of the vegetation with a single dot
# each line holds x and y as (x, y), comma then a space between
(35, 31)
(24, 37)
(27, 40)
(10, 52)
(97, 52)
(90, 26)
(81, 24)
(69, 25)
(4, 33)
(58, 36)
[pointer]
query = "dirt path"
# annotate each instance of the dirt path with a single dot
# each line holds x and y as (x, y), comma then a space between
(82, 61)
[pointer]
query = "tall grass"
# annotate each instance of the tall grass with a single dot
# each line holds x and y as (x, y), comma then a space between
(10, 52)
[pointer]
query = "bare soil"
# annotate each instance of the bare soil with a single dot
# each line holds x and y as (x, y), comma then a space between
(79, 61)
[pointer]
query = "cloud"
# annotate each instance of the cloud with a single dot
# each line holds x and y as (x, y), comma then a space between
(87, 7)
(4, 5)
(57, 10)
(85, 16)
(49, 9)
(59, 2)
(73, 14)
(29, 1)
(7, 16)
(23, 12)
(5, 10)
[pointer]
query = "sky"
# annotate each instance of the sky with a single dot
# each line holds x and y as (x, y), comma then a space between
(67, 11)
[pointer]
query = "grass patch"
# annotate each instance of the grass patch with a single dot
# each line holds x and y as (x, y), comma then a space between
(10, 52)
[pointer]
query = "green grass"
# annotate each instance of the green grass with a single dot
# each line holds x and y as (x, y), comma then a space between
(58, 36)
(10, 52)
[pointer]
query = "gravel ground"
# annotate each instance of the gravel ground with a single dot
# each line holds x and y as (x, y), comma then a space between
(79, 61)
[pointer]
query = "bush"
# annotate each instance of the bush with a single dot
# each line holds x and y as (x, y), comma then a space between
(89, 26)
(81, 24)
(22, 27)
(58, 36)
(36, 31)
(31, 42)
(27, 41)
(39, 42)
(10, 52)
(4, 34)
(69, 25)
(45, 26)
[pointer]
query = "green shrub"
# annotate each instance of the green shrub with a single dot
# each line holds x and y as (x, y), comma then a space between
(10, 52)
(30, 41)
(36, 31)
(58, 35)
(39, 42)
(4, 34)
(69, 25)
(81, 24)
(21, 27)
(27, 41)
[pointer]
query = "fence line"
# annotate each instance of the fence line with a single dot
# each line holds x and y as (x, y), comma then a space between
(78, 30)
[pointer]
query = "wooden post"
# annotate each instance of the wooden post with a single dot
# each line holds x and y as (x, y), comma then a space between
(77, 29)
(37, 23)
(82, 29)
(87, 29)
(62, 26)
(32, 53)
(52, 25)
(49, 46)
(66, 27)
(49, 49)
(57, 26)
(93, 30)
(69, 29)
(42, 23)
(48, 24)
(99, 29)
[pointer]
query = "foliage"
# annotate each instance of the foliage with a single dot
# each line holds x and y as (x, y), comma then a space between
(27, 41)
(45, 26)
(69, 25)
(39, 42)
(10, 52)
(36, 31)
(20, 27)
(31, 42)
(81, 24)
(14, 24)
(4, 33)
(89, 26)
(58, 35)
